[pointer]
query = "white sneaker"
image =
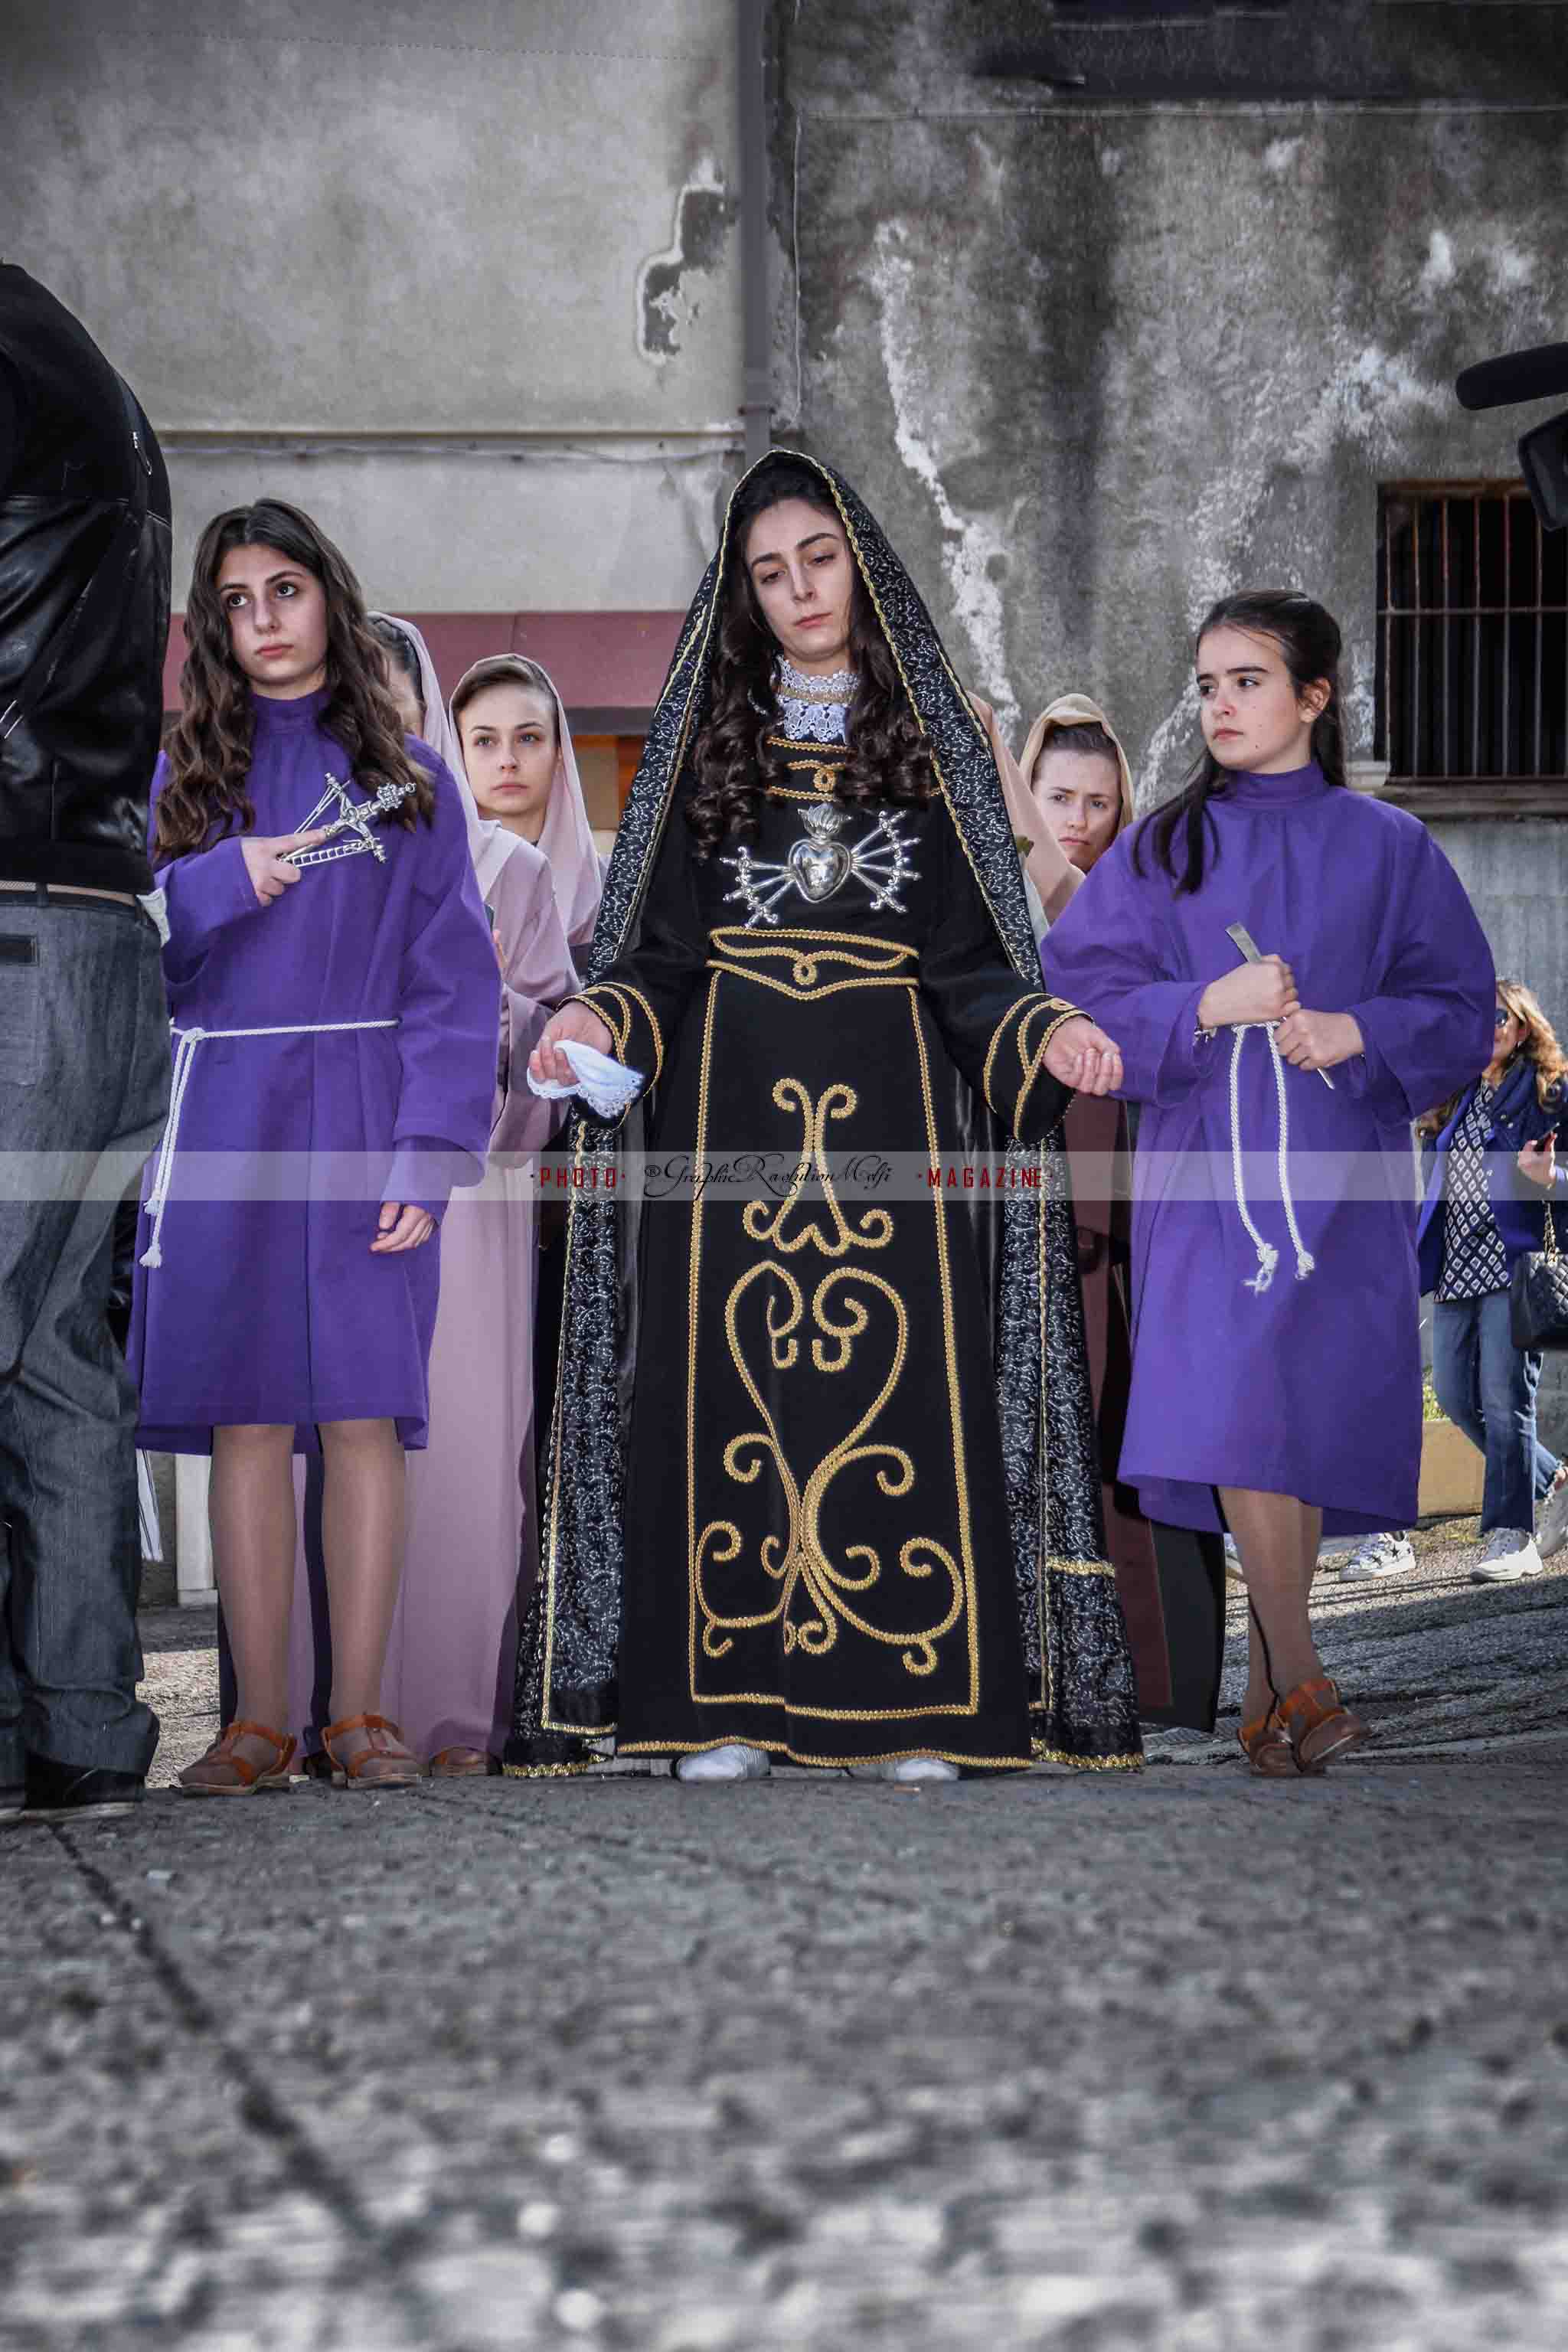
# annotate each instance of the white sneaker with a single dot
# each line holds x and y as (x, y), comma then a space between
(1552, 1527)
(1509, 1555)
(734, 1761)
(909, 1768)
(1385, 1555)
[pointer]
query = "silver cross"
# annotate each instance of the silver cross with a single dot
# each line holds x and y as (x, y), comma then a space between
(353, 816)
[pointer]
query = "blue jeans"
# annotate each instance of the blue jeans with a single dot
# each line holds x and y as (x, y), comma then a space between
(84, 1074)
(1487, 1387)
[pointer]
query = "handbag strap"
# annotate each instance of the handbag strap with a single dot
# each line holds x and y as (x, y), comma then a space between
(1551, 1232)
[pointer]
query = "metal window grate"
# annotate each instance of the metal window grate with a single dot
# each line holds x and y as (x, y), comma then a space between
(1472, 635)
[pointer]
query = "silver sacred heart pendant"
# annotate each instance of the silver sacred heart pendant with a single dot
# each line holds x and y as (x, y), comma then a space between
(819, 868)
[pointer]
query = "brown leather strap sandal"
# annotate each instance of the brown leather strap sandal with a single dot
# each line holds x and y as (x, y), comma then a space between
(1267, 1746)
(383, 1762)
(462, 1764)
(221, 1772)
(1320, 1725)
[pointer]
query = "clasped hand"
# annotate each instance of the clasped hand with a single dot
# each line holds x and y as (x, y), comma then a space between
(1266, 991)
(573, 1023)
(1082, 1057)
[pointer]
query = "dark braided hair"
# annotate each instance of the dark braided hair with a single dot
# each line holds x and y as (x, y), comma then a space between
(403, 649)
(1309, 637)
(733, 762)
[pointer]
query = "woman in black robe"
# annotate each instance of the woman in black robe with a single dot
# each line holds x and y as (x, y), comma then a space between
(821, 1478)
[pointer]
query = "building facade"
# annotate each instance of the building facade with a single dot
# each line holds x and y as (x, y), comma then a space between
(462, 282)
(1106, 309)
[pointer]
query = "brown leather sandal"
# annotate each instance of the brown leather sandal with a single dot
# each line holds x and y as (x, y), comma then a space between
(229, 1775)
(1267, 1748)
(1319, 1724)
(462, 1764)
(383, 1762)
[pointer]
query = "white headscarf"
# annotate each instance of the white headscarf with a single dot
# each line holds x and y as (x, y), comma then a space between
(566, 838)
(488, 846)
(1070, 710)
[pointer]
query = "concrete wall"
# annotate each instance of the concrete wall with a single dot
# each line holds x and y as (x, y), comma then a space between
(462, 280)
(1105, 318)
(1095, 360)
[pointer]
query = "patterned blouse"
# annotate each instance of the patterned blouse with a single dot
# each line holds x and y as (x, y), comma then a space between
(1474, 1262)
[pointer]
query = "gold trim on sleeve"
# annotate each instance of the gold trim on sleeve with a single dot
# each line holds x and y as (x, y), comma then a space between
(1024, 1004)
(613, 1017)
(1038, 1064)
(624, 996)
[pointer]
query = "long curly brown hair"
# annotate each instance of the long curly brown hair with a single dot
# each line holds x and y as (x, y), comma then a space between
(733, 761)
(210, 745)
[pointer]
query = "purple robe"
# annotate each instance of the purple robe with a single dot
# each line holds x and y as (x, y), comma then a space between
(452, 1651)
(1307, 1381)
(274, 1309)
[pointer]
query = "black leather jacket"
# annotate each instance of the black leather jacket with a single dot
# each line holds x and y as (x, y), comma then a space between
(84, 602)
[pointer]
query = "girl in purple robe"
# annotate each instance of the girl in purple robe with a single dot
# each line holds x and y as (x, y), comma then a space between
(335, 1000)
(452, 1649)
(1277, 1370)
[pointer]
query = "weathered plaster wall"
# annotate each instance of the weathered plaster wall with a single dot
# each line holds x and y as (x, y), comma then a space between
(1097, 352)
(409, 229)
(1097, 361)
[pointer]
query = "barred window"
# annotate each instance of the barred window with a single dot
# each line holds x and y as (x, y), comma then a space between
(1472, 643)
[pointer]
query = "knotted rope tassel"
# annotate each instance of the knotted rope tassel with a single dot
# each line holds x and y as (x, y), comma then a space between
(1268, 1255)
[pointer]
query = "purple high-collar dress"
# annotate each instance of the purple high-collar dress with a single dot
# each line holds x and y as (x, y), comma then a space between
(1286, 1361)
(274, 1309)
(451, 1654)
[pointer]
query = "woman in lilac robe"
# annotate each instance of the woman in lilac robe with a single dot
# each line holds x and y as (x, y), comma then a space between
(288, 1283)
(452, 1657)
(1276, 1365)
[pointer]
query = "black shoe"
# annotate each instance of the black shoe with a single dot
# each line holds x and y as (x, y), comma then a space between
(12, 1798)
(74, 1792)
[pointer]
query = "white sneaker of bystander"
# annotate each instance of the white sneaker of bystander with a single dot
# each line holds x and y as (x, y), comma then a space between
(1509, 1554)
(1552, 1519)
(1384, 1555)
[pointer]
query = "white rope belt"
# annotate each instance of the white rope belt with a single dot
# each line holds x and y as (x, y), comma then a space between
(1268, 1255)
(186, 1042)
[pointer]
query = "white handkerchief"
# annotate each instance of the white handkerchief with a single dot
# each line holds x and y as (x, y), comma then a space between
(603, 1085)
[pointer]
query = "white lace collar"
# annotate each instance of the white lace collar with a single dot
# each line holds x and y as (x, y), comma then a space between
(812, 709)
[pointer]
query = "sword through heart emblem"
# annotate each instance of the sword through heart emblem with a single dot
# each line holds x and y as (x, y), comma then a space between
(817, 865)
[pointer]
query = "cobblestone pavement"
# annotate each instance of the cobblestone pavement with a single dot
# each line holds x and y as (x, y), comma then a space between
(1186, 2060)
